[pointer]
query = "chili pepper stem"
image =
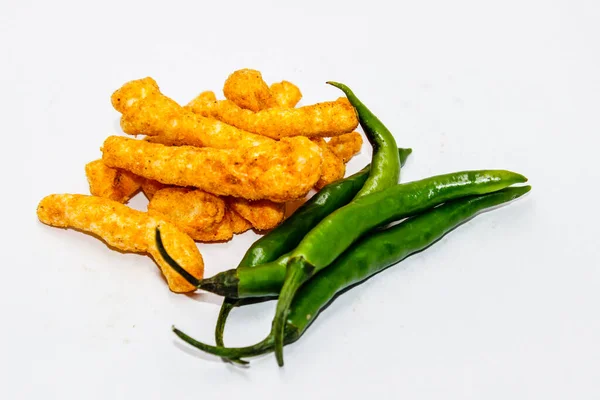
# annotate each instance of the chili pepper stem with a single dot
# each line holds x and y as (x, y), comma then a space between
(299, 270)
(231, 354)
(192, 280)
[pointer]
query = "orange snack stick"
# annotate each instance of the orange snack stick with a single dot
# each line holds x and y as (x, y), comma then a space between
(286, 94)
(194, 209)
(326, 119)
(278, 171)
(179, 206)
(145, 110)
(203, 104)
(247, 89)
(346, 146)
(150, 187)
(262, 214)
(125, 229)
(111, 183)
(332, 168)
(240, 224)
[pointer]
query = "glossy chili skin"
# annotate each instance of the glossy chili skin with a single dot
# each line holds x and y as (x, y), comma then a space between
(369, 256)
(385, 170)
(341, 228)
(287, 235)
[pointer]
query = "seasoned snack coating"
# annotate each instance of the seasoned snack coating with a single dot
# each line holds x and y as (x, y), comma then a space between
(332, 168)
(221, 231)
(326, 119)
(262, 214)
(202, 104)
(346, 146)
(239, 224)
(147, 111)
(125, 229)
(192, 208)
(111, 183)
(279, 171)
(286, 94)
(150, 187)
(247, 89)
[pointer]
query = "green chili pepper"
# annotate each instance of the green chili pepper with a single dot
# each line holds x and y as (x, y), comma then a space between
(267, 279)
(385, 170)
(369, 256)
(345, 225)
(287, 235)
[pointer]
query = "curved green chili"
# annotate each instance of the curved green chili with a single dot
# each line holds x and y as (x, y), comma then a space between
(267, 279)
(385, 170)
(287, 235)
(369, 256)
(291, 231)
(345, 225)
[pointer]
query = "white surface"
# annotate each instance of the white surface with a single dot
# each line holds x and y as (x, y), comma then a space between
(504, 307)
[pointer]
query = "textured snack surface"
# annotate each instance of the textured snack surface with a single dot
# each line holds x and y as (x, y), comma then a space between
(247, 89)
(325, 119)
(286, 94)
(278, 171)
(145, 110)
(262, 214)
(111, 183)
(125, 229)
(346, 146)
(332, 168)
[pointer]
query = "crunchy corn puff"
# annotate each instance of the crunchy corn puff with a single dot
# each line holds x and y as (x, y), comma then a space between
(240, 224)
(125, 229)
(345, 146)
(262, 214)
(194, 209)
(111, 183)
(145, 110)
(278, 171)
(247, 89)
(332, 168)
(150, 187)
(326, 119)
(286, 94)
(179, 212)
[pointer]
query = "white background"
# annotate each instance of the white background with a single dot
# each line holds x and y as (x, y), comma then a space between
(505, 307)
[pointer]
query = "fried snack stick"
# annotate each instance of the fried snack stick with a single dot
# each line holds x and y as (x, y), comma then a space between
(111, 183)
(206, 218)
(332, 168)
(286, 94)
(145, 110)
(247, 89)
(125, 229)
(262, 214)
(194, 209)
(279, 171)
(326, 119)
(345, 146)
(150, 187)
